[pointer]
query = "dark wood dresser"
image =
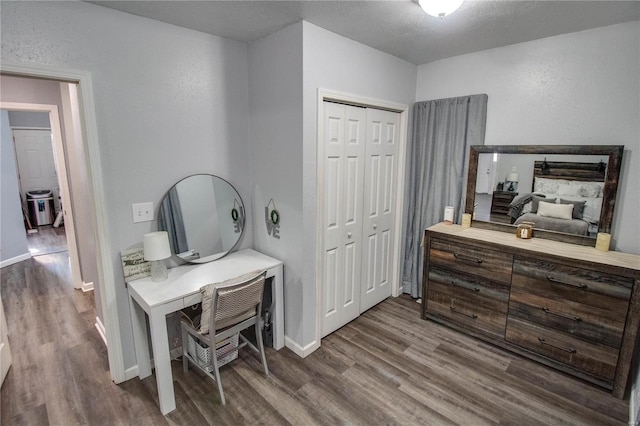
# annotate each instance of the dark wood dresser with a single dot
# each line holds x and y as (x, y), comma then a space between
(500, 201)
(570, 307)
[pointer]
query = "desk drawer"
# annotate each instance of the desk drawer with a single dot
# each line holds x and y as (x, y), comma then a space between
(490, 264)
(192, 299)
(592, 358)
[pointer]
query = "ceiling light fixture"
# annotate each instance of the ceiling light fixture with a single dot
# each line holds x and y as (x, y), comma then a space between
(439, 8)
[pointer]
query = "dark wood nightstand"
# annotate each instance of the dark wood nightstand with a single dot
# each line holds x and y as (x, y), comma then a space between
(500, 205)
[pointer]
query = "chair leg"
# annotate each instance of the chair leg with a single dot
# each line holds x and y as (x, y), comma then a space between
(185, 350)
(216, 369)
(261, 348)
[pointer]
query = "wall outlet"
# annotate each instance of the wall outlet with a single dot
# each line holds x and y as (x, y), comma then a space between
(142, 212)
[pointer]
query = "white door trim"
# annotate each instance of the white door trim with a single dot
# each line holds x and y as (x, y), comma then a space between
(103, 244)
(350, 99)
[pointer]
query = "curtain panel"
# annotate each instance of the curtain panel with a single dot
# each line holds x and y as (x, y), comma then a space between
(443, 130)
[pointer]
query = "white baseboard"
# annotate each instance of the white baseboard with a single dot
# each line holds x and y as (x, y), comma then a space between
(101, 330)
(131, 373)
(302, 352)
(16, 259)
(86, 286)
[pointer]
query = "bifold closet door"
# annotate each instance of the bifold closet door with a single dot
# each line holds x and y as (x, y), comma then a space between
(360, 149)
(380, 188)
(343, 165)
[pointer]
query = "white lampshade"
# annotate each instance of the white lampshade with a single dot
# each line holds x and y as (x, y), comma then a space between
(512, 177)
(156, 246)
(439, 8)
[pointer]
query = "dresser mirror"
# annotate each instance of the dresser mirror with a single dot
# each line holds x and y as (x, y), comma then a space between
(204, 217)
(567, 192)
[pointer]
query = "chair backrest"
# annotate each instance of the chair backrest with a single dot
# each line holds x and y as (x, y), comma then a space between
(227, 303)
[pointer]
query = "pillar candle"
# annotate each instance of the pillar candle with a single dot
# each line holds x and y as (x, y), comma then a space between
(466, 220)
(603, 240)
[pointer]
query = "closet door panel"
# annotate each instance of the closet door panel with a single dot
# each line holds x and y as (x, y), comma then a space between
(379, 198)
(343, 147)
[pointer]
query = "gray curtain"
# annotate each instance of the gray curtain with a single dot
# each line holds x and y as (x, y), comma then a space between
(170, 218)
(443, 131)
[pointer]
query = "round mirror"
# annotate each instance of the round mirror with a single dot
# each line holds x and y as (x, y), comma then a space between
(204, 217)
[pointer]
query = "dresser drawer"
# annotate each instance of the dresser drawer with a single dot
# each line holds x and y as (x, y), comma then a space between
(470, 259)
(586, 304)
(467, 301)
(592, 358)
(472, 288)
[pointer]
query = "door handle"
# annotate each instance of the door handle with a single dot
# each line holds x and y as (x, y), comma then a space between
(375, 227)
(348, 234)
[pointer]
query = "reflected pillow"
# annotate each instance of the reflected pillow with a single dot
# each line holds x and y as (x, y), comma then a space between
(569, 190)
(559, 211)
(578, 207)
(536, 199)
(591, 189)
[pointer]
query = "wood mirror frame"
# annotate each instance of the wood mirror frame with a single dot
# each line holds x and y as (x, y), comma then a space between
(614, 154)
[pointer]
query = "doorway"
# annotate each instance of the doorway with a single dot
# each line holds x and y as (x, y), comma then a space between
(44, 163)
(39, 187)
(93, 200)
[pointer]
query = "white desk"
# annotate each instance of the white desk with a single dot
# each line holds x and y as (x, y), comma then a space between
(180, 290)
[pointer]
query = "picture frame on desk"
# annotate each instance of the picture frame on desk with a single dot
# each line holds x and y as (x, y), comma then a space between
(133, 264)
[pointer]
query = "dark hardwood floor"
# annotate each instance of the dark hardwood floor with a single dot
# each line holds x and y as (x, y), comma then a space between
(386, 367)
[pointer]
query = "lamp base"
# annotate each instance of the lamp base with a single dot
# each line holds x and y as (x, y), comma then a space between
(158, 270)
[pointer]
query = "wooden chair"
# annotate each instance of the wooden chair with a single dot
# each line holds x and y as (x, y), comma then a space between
(227, 309)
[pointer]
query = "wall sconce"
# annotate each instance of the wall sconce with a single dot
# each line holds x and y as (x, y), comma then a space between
(545, 168)
(512, 179)
(156, 249)
(601, 166)
(439, 8)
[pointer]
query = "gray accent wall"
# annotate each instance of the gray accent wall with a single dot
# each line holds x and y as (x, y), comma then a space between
(573, 89)
(13, 237)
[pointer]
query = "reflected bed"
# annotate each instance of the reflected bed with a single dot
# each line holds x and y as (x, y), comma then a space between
(566, 197)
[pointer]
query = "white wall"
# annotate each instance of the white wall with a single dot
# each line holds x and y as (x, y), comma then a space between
(13, 236)
(169, 102)
(574, 89)
(275, 129)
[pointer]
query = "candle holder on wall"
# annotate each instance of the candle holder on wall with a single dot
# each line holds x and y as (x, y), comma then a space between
(272, 219)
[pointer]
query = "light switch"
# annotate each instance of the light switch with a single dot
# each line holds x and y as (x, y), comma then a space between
(142, 212)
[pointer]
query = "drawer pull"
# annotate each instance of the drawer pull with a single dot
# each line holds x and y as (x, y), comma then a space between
(557, 281)
(472, 316)
(558, 314)
(469, 259)
(466, 288)
(544, 342)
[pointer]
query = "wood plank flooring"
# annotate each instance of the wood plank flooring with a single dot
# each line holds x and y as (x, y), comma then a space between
(386, 367)
(47, 240)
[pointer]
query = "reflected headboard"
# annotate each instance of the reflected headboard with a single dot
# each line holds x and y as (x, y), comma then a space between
(587, 172)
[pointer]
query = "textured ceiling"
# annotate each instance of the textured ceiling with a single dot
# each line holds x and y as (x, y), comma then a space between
(398, 27)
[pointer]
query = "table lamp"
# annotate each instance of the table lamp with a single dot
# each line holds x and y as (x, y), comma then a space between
(512, 178)
(156, 249)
